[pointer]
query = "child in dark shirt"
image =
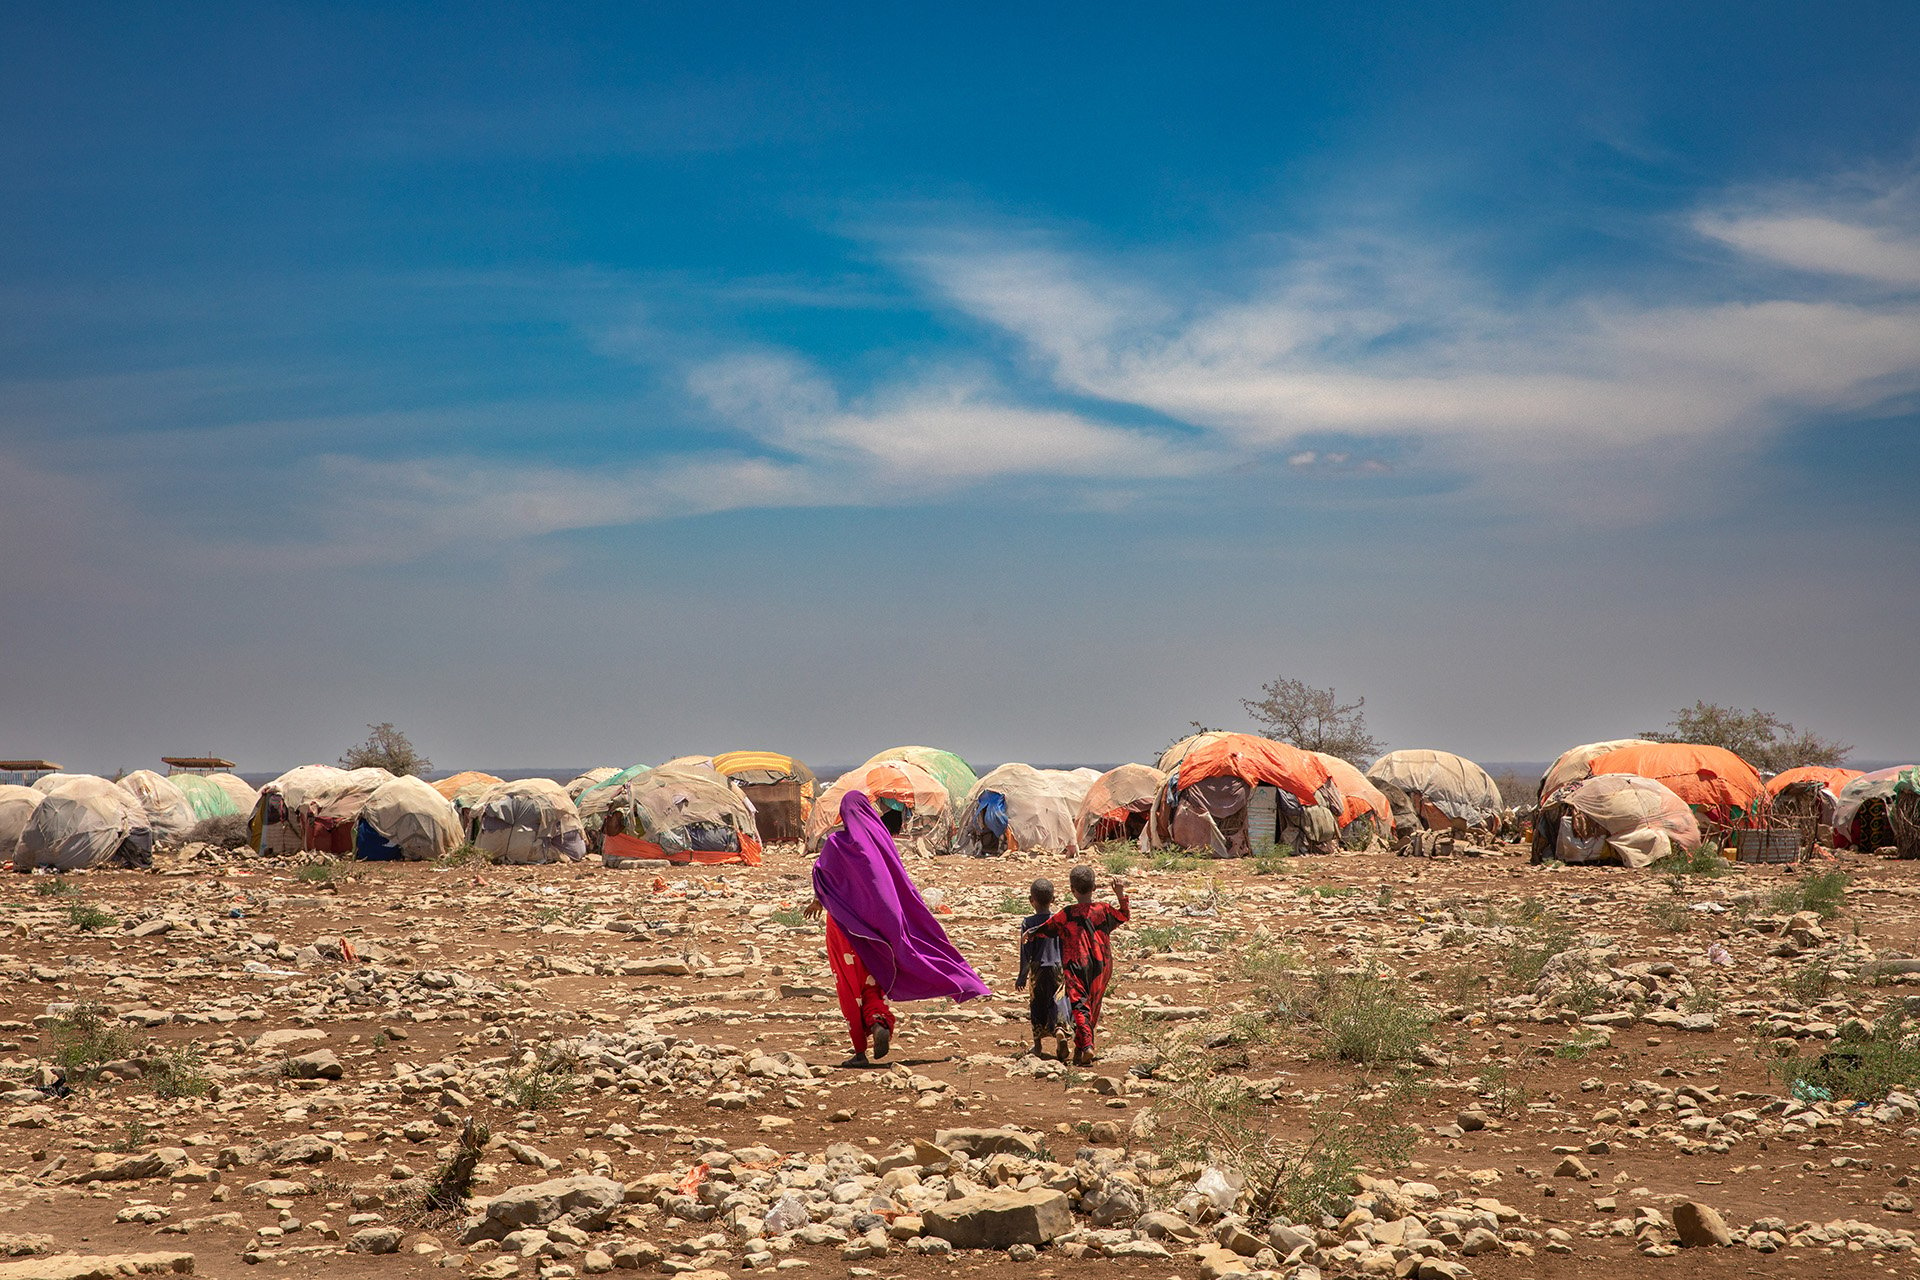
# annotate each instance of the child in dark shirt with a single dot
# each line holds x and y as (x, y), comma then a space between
(1040, 961)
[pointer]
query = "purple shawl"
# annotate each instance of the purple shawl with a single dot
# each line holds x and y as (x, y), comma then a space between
(860, 880)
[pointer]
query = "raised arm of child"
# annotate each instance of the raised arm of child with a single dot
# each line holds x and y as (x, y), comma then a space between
(1122, 907)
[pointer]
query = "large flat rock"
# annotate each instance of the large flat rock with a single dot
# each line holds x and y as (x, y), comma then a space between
(1000, 1219)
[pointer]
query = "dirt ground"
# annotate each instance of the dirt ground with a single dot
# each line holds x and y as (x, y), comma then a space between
(543, 953)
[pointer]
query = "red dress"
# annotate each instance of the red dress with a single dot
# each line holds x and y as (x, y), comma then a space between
(1086, 960)
(862, 1002)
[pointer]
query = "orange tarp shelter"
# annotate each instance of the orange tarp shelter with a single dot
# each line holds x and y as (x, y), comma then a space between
(1712, 779)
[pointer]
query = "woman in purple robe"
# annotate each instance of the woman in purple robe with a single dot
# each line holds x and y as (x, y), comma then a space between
(882, 940)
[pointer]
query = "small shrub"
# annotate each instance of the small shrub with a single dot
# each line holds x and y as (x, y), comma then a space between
(133, 1138)
(1537, 938)
(465, 855)
(1118, 857)
(1217, 1120)
(1671, 916)
(1579, 1045)
(179, 1072)
(1014, 904)
(1372, 1019)
(1177, 860)
(1857, 1067)
(1704, 998)
(452, 1182)
(56, 887)
(1272, 864)
(329, 872)
(86, 1039)
(1385, 897)
(1327, 890)
(1273, 972)
(1705, 860)
(1822, 892)
(87, 917)
(537, 1087)
(1150, 939)
(1810, 984)
(1499, 1090)
(791, 917)
(227, 830)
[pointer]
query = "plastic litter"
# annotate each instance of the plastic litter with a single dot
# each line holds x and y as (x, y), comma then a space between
(1217, 1188)
(1717, 954)
(1805, 1091)
(695, 1176)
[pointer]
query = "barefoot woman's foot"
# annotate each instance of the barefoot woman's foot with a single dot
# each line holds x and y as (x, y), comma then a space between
(882, 1039)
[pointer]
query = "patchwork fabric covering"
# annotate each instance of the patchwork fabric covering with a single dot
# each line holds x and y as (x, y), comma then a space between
(590, 778)
(1117, 804)
(1361, 801)
(780, 788)
(678, 813)
(272, 826)
(1616, 817)
(168, 811)
(1576, 763)
(85, 822)
(912, 802)
(211, 796)
(463, 790)
(529, 821)
(326, 815)
(406, 818)
(953, 773)
(1017, 807)
(1713, 780)
(1860, 814)
(16, 807)
(1447, 790)
(1237, 795)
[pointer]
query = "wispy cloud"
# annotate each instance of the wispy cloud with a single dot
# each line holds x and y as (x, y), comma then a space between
(1408, 345)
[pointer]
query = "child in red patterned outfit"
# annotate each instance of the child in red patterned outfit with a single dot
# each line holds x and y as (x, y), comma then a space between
(1085, 932)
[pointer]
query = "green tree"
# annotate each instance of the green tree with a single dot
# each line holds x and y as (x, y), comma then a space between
(1314, 719)
(386, 748)
(1761, 738)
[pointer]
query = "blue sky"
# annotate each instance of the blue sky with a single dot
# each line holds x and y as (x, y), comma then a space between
(581, 384)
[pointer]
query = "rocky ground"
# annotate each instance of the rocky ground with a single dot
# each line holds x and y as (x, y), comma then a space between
(1361, 1065)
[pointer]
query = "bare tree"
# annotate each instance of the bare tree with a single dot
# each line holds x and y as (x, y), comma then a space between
(1314, 719)
(1760, 738)
(386, 748)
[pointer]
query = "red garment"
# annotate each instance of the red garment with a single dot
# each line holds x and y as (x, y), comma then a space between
(861, 1001)
(1086, 958)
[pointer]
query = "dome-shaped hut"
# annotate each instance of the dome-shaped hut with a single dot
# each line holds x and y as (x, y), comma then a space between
(83, 823)
(680, 814)
(532, 820)
(912, 803)
(1614, 817)
(1018, 808)
(169, 812)
(16, 808)
(1443, 791)
(406, 819)
(1117, 805)
(1239, 795)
